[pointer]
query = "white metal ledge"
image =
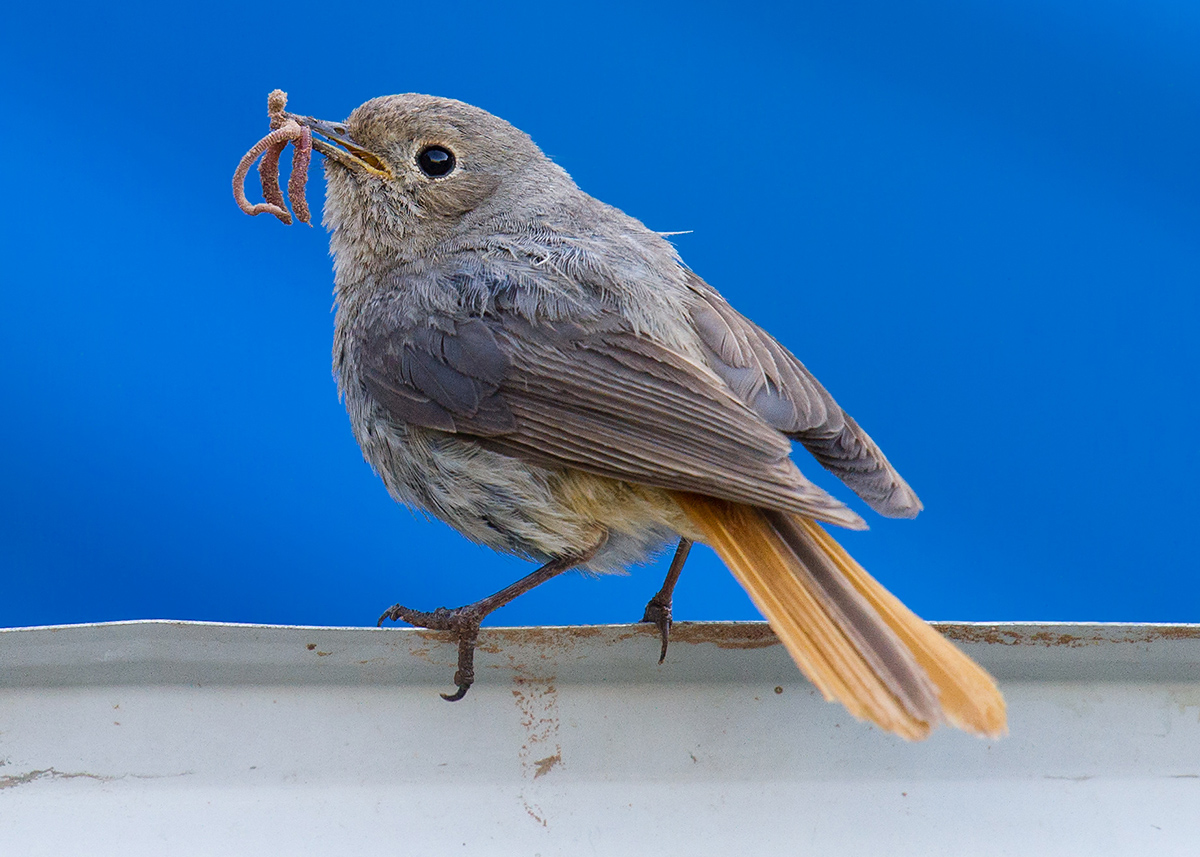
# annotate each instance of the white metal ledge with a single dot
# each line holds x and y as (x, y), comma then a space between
(171, 738)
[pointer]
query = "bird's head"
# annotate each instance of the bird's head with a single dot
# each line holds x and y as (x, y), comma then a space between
(406, 172)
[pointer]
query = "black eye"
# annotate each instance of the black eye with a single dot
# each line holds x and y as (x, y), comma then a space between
(435, 161)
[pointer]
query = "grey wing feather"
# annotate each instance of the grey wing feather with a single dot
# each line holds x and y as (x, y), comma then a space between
(439, 377)
(597, 398)
(770, 380)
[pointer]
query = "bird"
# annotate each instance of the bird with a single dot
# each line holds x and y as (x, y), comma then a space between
(543, 373)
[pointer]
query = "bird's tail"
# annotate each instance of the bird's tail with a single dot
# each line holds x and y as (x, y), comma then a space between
(853, 639)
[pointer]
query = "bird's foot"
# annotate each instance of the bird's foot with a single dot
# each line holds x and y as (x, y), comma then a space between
(658, 611)
(462, 621)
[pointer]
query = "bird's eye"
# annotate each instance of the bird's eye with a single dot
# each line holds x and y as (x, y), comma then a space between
(435, 161)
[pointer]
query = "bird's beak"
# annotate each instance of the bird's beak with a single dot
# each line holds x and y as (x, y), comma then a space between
(350, 154)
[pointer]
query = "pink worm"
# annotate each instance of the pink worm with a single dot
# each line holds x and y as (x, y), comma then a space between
(273, 145)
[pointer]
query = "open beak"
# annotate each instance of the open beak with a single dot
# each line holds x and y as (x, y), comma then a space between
(338, 146)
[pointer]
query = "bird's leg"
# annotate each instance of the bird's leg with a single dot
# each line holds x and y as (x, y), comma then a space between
(464, 621)
(658, 610)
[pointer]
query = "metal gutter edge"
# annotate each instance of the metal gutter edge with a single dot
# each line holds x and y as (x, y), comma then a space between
(159, 737)
(165, 651)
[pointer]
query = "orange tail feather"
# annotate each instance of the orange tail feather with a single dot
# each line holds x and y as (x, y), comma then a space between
(852, 638)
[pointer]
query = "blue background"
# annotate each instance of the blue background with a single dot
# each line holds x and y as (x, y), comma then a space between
(977, 223)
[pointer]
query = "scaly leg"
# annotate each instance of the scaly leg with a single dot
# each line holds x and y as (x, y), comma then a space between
(658, 610)
(464, 621)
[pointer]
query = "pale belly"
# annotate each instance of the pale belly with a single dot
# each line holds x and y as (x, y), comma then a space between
(520, 508)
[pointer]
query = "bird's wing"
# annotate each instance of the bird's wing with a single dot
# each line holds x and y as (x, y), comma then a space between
(776, 386)
(597, 398)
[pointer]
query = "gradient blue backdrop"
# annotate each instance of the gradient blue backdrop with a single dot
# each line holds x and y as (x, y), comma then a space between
(978, 223)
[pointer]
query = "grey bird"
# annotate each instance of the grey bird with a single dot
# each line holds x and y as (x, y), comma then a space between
(540, 371)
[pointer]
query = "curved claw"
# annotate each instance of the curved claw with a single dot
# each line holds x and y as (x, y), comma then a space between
(389, 613)
(464, 621)
(659, 614)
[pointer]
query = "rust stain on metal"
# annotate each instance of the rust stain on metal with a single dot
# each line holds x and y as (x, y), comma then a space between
(987, 634)
(11, 782)
(740, 635)
(534, 654)
(753, 635)
(544, 765)
(557, 637)
(724, 635)
(551, 643)
(421, 648)
(537, 702)
(1177, 632)
(1008, 636)
(432, 636)
(1017, 635)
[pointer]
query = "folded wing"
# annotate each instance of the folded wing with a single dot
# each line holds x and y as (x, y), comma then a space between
(594, 397)
(772, 382)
